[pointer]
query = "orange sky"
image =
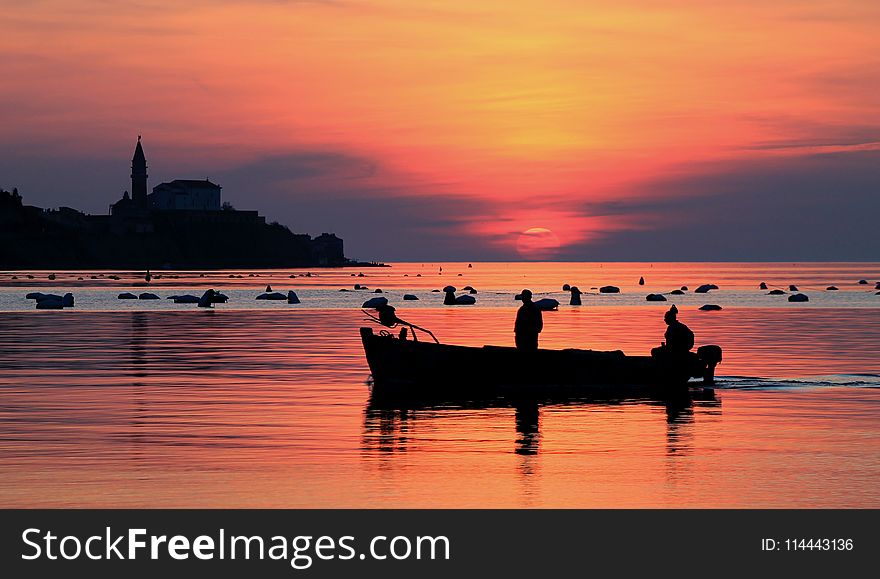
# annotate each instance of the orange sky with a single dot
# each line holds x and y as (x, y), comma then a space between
(535, 109)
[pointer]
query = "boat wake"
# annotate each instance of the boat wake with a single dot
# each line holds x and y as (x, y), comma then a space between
(829, 381)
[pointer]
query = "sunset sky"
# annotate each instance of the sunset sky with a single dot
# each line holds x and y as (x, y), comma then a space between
(444, 129)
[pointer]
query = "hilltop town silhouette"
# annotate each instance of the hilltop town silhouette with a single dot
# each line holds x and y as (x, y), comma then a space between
(181, 224)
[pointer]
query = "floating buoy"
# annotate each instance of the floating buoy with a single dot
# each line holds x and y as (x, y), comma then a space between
(207, 299)
(863, 282)
(677, 292)
(43, 297)
(272, 296)
(831, 288)
(186, 299)
(410, 297)
(375, 302)
(792, 288)
(641, 281)
(575, 296)
(450, 298)
(609, 289)
(655, 298)
(547, 304)
(710, 308)
(776, 292)
(798, 298)
(566, 287)
(465, 300)
(762, 286)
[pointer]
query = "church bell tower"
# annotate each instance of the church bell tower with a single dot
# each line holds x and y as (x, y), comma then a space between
(139, 176)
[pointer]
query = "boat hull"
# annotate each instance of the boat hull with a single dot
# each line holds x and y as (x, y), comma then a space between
(407, 368)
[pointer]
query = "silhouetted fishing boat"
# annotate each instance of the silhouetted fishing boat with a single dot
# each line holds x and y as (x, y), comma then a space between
(403, 366)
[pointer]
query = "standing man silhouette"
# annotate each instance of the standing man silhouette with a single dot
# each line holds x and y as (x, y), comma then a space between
(529, 323)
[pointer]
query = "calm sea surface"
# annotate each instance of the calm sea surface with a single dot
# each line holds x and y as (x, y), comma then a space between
(133, 403)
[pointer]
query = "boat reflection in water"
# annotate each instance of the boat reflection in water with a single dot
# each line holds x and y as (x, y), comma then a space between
(388, 422)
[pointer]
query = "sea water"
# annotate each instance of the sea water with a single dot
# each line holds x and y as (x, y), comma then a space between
(135, 403)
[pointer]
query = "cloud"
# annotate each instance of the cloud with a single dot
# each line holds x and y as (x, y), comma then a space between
(809, 207)
(380, 214)
(814, 206)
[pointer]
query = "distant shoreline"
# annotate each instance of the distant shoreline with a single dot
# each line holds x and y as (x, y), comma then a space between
(129, 268)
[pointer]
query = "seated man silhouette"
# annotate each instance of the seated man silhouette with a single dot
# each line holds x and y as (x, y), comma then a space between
(675, 353)
(679, 338)
(529, 323)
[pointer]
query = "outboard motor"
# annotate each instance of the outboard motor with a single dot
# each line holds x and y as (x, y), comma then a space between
(711, 356)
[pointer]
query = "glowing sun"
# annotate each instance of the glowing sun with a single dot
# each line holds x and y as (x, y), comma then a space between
(537, 243)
